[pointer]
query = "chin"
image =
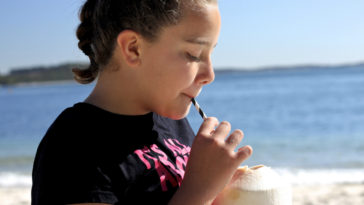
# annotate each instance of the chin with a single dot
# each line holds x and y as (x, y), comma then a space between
(176, 114)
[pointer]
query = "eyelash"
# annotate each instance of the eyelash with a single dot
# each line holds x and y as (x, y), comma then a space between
(192, 58)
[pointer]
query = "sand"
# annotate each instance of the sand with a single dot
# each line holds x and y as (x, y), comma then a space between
(342, 194)
(15, 195)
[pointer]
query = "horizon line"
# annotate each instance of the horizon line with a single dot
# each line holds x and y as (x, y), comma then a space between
(248, 68)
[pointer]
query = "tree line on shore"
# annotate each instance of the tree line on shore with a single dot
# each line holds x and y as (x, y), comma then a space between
(40, 74)
(63, 71)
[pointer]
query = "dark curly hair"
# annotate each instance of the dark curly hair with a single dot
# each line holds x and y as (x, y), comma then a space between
(103, 20)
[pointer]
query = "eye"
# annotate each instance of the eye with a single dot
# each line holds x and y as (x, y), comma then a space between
(192, 58)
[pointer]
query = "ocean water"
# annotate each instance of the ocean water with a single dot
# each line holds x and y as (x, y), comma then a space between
(308, 124)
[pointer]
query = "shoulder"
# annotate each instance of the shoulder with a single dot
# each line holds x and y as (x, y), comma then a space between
(65, 127)
(81, 122)
(80, 113)
(67, 160)
(63, 136)
(72, 137)
(69, 119)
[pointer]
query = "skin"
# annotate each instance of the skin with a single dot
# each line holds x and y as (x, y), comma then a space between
(162, 77)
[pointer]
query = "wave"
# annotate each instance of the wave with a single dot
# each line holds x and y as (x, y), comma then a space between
(294, 176)
(9, 179)
(322, 176)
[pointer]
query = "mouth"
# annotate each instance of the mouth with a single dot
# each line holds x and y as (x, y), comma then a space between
(189, 96)
(194, 95)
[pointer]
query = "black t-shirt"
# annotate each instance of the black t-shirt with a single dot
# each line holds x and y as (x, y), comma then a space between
(90, 155)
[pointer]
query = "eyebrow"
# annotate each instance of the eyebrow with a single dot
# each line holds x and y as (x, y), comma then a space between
(199, 41)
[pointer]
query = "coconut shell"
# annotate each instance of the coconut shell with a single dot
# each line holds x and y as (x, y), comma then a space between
(259, 185)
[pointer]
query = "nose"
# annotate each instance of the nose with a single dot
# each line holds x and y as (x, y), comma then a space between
(206, 73)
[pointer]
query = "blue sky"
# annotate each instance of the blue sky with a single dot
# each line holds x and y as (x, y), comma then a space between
(254, 33)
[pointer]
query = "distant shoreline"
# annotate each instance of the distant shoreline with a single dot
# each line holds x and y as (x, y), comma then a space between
(63, 72)
(38, 83)
(40, 74)
(293, 67)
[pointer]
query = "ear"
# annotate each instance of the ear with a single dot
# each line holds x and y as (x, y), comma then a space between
(129, 43)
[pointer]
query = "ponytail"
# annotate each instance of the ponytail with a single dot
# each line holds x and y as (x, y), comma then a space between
(85, 34)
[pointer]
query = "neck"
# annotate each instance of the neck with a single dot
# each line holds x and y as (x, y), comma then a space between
(116, 93)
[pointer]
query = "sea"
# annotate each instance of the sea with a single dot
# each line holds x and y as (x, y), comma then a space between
(307, 123)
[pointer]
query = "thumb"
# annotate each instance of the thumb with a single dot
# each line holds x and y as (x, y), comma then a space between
(244, 153)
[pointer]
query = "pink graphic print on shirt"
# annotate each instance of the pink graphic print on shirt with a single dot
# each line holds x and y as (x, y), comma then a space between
(167, 171)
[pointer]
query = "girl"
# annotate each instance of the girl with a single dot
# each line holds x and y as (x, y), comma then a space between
(129, 141)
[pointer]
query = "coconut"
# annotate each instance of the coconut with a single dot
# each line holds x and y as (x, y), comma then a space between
(259, 185)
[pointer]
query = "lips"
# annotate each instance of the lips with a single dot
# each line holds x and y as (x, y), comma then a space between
(193, 94)
(189, 96)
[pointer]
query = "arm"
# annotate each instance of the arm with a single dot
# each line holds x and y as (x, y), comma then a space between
(212, 163)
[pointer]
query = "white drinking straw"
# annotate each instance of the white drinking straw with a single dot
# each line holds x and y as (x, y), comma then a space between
(198, 108)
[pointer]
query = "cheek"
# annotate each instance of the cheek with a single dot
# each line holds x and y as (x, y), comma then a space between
(179, 69)
(175, 59)
(171, 71)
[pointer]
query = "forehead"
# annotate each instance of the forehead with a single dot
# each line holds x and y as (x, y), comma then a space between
(200, 26)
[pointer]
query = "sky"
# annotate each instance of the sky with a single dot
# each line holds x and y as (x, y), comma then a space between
(254, 33)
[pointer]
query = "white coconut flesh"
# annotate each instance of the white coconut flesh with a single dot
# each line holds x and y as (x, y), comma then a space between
(259, 185)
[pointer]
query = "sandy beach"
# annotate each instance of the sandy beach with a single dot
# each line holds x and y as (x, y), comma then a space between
(343, 194)
(15, 195)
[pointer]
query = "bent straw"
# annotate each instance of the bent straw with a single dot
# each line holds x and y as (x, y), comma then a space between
(198, 108)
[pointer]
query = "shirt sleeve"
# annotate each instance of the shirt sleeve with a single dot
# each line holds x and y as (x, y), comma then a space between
(66, 172)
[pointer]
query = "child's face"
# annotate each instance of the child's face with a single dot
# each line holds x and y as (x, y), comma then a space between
(178, 64)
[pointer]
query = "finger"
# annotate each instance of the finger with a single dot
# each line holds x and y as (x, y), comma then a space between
(222, 130)
(234, 139)
(244, 153)
(208, 126)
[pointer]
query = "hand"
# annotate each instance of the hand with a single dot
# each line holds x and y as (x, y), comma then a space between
(212, 162)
